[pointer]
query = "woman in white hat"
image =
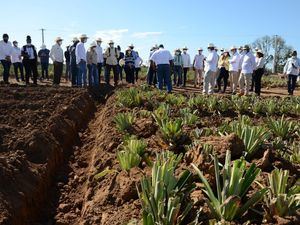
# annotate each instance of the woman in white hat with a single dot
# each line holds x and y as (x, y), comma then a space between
(91, 59)
(224, 71)
(198, 66)
(57, 56)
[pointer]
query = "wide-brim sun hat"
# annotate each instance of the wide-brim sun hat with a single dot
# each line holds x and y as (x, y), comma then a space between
(99, 39)
(111, 42)
(58, 39)
(83, 36)
(75, 39)
(210, 45)
(259, 51)
(246, 47)
(131, 46)
(233, 48)
(93, 44)
(200, 49)
(185, 48)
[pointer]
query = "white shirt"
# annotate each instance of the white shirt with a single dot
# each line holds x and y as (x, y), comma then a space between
(248, 63)
(199, 62)
(186, 60)
(138, 62)
(241, 56)
(234, 62)
(57, 53)
(161, 56)
(80, 52)
(259, 63)
(290, 69)
(99, 54)
(211, 62)
(16, 55)
(5, 49)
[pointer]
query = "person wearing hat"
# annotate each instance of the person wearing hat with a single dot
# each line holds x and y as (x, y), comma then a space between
(100, 58)
(198, 65)
(92, 60)
(223, 65)
(30, 61)
(131, 46)
(151, 73)
(259, 71)
(248, 66)
(162, 60)
(210, 68)
(73, 62)
(68, 65)
(234, 63)
(186, 64)
(137, 64)
(57, 57)
(5, 56)
(44, 55)
(80, 53)
(120, 66)
(178, 66)
(16, 60)
(291, 69)
(129, 66)
(111, 54)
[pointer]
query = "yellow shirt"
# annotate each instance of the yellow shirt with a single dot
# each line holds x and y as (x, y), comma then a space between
(224, 62)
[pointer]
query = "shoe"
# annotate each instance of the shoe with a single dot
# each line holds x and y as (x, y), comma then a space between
(241, 94)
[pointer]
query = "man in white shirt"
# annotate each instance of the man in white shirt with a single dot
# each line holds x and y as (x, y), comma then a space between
(112, 54)
(186, 64)
(80, 53)
(57, 56)
(162, 59)
(198, 65)
(291, 69)
(16, 60)
(248, 66)
(234, 64)
(100, 59)
(210, 68)
(5, 54)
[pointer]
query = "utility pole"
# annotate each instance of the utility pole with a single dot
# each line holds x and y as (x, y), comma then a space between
(43, 39)
(275, 54)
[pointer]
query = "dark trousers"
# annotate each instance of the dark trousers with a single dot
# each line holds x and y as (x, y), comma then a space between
(18, 67)
(151, 76)
(58, 70)
(74, 73)
(164, 77)
(6, 67)
(185, 71)
(120, 71)
(30, 66)
(108, 68)
(99, 69)
(129, 70)
(177, 75)
(93, 75)
(68, 72)
(223, 75)
(292, 79)
(137, 70)
(45, 73)
(257, 75)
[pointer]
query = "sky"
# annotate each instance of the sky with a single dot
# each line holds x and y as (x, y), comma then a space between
(174, 23)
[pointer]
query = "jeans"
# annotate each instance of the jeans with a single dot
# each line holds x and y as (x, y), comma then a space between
(292, 79)
(151, 76)
(107, 73)
(18, 66)
(45, 66)
(257, 80)
(129, 70)
(178, 75)
(164, 76)
(6, 67)
(93, 76)
(120, 71)
(224, 74)
(30, 66)
(185, 71)
(99, 70)
(208, 82)
(137, 70)
(68, 72)
(245, 83)
(81, 75)
(58, 70)
(74, 74)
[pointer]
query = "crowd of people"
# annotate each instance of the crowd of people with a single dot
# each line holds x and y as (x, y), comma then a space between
(238, 66)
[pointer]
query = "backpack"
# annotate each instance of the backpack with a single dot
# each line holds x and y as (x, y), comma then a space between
(116, 53)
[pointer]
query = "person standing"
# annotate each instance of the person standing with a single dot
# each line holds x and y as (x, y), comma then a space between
(73, 63)
(92, 59)
(111, 54)
(259, 71)
(5, 57)
(186, 64)
(162, 60)
(16, 59)
(80, 53)
(57, 56)
(234, 63)
(248, 66)
(67, 58)
(100, 59)
(210, 68)
(44, 55)
(30, 61)
(120, 67)
(224, 70)
(198, 65)
(129, 66)
(151, 73)
(291, 69)
(178, 65)
(137, 64)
